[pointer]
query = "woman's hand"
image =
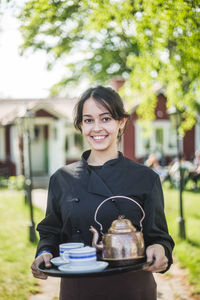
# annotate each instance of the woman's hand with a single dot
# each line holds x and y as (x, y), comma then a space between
(42, 257)
(156, 252)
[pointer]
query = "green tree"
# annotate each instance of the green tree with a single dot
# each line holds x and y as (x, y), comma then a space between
(61, 29)
(147, 42)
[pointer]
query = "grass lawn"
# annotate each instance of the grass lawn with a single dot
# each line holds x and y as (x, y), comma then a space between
(16, 252)
(187, 252)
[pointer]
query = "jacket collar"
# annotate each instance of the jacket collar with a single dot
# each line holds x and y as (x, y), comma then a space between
(96, 185)
(111, 162)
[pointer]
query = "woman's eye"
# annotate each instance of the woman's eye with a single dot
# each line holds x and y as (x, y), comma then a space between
(87, 121)
(106, 119)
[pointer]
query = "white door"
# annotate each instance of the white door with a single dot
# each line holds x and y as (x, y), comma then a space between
(38, 151)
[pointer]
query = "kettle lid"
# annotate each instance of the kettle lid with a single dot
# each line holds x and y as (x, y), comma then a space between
(121, 225)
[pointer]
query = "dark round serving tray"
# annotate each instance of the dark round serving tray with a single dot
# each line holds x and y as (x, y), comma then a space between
(54, 272)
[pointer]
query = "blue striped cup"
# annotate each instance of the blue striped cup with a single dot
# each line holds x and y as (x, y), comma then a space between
(64, 249)
(82, 256)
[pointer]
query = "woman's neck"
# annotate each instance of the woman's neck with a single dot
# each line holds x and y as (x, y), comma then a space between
(98, 159)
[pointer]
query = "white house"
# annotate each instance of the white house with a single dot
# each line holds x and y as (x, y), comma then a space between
(54, 141)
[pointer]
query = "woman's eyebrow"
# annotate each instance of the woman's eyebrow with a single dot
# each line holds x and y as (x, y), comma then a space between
(106, 113)
(102, 114)
(87, 116)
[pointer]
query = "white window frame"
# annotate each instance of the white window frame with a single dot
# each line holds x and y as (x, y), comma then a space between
(167, 128)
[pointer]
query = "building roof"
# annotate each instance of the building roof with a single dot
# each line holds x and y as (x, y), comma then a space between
(10, 109)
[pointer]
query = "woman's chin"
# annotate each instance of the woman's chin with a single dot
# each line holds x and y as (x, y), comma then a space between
(98, 147)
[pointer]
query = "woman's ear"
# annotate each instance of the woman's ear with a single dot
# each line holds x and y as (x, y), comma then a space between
(122, 123)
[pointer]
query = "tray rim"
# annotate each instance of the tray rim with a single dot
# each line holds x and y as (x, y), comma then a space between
(54, 272)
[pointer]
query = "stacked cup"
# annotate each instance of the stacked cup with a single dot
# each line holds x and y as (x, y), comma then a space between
(82, 256)
(74, 257)
(66, 247)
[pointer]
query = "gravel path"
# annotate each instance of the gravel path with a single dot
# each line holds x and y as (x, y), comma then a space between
(171, 286)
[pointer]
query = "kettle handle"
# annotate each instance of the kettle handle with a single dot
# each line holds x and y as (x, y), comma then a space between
(125, 197)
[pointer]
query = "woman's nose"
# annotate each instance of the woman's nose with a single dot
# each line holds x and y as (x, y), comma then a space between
(97, 126)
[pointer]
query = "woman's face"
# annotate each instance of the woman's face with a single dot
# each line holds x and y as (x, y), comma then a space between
(99, 128)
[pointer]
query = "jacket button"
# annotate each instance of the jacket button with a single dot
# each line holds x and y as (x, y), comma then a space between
(78, 231)
(77, 200)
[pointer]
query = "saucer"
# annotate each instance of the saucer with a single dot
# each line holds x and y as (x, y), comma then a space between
(78, 269)
(58, 261)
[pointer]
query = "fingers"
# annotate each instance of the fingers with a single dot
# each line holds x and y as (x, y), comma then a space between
(39, 275)
(34, 267)
(156, 268)
(46, 258)
(157, 253)
(36, 273)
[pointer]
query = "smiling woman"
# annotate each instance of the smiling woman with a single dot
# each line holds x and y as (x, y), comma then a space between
(76, 190)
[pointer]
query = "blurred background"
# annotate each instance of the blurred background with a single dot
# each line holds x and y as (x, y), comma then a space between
(53, 50)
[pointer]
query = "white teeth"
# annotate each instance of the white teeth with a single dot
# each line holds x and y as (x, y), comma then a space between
(98, 137)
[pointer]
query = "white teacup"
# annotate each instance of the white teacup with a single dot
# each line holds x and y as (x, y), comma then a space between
(64, 249)
(82, 256)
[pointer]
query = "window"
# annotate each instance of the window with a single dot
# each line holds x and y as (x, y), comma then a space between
(158, 138)
(36, 133)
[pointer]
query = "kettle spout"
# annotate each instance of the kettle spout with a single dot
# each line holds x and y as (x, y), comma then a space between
(98, 246)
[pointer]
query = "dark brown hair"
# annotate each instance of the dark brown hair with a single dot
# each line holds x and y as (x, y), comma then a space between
(107, 97)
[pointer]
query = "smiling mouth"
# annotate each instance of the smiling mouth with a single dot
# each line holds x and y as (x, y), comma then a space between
(99, 137)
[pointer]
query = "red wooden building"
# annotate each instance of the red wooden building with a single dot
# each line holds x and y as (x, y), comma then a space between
(159, 137)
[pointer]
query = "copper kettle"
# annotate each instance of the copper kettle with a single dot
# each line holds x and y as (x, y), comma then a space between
(123, 244)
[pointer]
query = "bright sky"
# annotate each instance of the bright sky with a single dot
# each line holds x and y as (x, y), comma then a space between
(22, 77)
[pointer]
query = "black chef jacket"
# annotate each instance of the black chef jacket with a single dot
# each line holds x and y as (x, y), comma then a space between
(76, 190)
